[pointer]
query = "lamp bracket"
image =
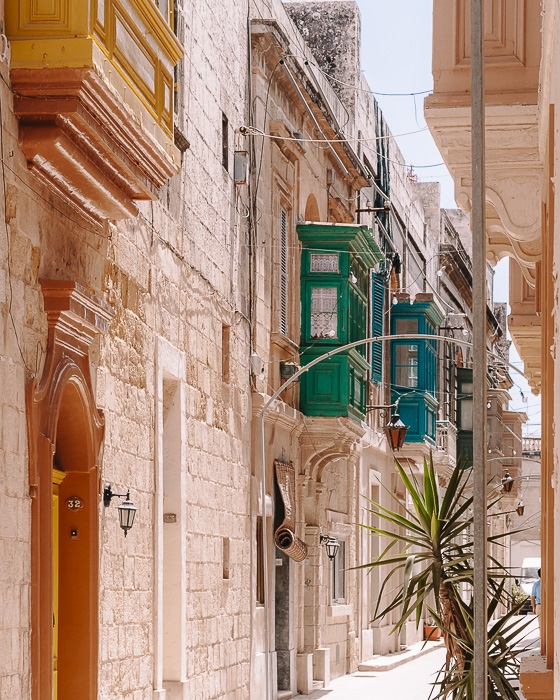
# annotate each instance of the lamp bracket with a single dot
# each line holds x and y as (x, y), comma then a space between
(108, 495)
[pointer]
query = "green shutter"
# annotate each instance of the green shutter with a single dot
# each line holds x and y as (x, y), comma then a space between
(378, 305)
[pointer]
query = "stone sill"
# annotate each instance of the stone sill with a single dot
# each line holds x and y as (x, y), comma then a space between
(340, 610)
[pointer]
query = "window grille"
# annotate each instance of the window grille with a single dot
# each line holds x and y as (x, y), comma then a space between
(321, 262)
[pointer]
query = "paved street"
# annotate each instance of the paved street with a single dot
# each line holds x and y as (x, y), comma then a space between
(410, 681)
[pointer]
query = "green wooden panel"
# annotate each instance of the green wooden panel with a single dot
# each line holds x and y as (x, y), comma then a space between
(337, 386)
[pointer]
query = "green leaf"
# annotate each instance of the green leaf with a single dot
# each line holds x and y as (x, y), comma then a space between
(427, 564)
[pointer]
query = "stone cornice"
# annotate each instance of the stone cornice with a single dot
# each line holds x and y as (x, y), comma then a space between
(513, 176)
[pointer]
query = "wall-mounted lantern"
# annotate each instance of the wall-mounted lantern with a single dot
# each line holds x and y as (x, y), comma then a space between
(395, 431)
(127, 509)
(520, 508)
(507, 482)
(331, 543)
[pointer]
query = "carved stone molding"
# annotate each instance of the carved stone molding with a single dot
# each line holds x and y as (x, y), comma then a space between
(327, 439)
(65, 434)
(83, 142)
(513, 175)
(512, 50)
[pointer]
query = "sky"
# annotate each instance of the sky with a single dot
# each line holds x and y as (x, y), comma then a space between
(397, 63)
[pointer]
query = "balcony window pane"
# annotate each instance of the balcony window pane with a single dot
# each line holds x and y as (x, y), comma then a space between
(164, 8)
(406, 366)
(466, 422)
(324, 312)
(406, 325)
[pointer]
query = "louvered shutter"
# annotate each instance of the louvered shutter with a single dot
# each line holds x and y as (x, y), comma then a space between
(378, 304)
(283, 291)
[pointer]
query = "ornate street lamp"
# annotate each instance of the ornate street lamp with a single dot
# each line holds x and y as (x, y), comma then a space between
(127, 509)
(395, 431)
(332, 545)
(520, 508)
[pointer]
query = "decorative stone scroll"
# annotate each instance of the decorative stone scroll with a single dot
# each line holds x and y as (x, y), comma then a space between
(284, 536)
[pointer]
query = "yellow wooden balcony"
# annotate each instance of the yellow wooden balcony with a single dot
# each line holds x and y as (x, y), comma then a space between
(94, 95)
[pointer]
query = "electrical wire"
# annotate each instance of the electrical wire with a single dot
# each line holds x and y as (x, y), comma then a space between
(367, 90)
(254, 131)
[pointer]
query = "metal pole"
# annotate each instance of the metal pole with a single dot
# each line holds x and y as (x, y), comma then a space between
(479, 352)
(268, 673)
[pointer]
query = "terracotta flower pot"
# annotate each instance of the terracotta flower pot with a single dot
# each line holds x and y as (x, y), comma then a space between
(431, 633)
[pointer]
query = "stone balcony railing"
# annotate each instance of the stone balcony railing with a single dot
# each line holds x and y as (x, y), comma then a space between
(446, 440)
(532, 446)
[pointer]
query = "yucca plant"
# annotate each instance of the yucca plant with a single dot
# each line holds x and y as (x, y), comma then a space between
(430, 559)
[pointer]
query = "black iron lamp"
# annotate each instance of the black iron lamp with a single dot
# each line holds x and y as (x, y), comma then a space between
(332, 545)
(395, 431)
(520, 508)
(127, 509)
(507, 482)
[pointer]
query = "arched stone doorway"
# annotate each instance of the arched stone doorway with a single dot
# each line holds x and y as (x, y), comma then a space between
(65, 435)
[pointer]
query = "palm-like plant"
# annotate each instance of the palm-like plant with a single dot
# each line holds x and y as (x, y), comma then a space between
(430, 560)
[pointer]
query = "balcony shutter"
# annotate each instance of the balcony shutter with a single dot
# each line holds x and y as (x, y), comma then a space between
(378, 304)
(283, 291)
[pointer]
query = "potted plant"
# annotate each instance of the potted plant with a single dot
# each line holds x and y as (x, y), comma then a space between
(429, 562)
(519, 598)
(432, 632)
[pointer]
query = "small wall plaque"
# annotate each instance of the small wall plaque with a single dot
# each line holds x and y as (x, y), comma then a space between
(169, 517)
(74, 503)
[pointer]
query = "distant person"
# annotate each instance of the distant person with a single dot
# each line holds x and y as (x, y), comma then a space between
(536, 595)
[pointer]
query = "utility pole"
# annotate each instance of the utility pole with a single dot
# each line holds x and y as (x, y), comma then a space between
(478, 226)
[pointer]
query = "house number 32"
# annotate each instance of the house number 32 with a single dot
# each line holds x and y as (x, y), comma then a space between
(74, 503)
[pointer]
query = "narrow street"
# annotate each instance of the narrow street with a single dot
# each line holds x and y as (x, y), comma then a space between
(411, 680)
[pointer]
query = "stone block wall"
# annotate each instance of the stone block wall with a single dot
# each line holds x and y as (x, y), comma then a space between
(179, 272)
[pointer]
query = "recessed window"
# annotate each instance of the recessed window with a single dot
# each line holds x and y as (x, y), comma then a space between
(225, 558)
(225, 142)
(226, 333)
(339, 574)
(260, 562)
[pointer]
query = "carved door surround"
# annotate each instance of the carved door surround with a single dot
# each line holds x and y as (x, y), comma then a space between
(65, 433)
(322, 442)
